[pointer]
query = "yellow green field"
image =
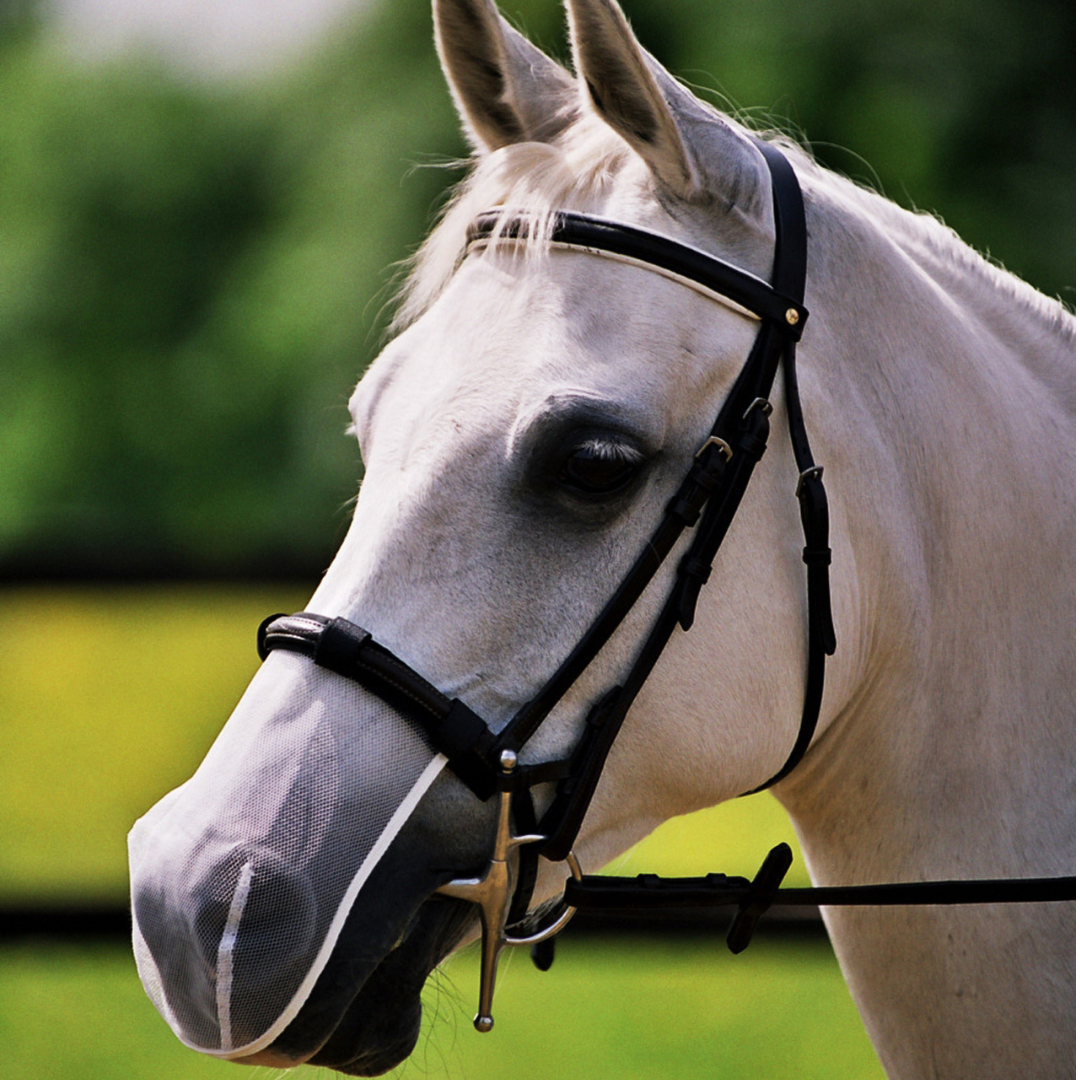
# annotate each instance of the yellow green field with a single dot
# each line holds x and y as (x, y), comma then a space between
(609, 1011)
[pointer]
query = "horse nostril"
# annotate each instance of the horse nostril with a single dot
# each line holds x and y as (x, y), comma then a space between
(261, 911)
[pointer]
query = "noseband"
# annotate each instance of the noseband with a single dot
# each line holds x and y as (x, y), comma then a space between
(706, 501)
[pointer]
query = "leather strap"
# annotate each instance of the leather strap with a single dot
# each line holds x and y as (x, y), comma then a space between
(742, 427)
(706, 500)
(772, 302)
(649, 892)
(338, 645)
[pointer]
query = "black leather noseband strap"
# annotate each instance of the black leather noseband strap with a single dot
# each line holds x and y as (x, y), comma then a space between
(339, 645)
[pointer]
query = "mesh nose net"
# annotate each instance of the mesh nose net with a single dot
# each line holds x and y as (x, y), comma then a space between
(242, 878)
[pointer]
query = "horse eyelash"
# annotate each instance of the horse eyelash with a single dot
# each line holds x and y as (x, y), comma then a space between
(612, 450)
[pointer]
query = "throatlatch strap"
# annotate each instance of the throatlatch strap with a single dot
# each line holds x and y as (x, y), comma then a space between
(810, 491)
(817, 555)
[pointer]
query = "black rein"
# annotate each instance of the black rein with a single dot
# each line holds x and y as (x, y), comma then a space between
(614, 895)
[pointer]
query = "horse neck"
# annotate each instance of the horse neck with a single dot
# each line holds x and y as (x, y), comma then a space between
(952, 464)
(948, 748)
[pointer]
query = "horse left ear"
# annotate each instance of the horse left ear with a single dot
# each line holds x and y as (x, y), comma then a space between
(691, 149)
(505, 88)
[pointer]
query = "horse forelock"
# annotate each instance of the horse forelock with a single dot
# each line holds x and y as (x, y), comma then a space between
(531, 177)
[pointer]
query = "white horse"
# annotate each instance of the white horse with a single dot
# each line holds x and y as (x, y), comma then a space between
(521, 436)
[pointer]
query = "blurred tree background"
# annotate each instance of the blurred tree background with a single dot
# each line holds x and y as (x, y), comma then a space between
(194, 274)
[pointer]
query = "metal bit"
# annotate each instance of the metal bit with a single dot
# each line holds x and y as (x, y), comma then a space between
(492, 893)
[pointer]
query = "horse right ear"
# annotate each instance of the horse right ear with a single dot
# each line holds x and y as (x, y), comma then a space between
(506, 90)
(693, 151)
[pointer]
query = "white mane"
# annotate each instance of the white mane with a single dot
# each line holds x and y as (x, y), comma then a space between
(936, 247)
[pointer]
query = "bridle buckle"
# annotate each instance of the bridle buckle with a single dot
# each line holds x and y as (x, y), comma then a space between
(720, 444)
(813, 473)
(764, 404)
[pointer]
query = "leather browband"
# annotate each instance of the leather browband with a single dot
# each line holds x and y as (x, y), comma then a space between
(655, 251)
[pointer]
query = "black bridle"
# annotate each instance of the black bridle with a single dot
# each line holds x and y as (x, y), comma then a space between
(705, 502)
(707, 498)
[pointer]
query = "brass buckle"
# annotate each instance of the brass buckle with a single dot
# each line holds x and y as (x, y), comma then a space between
(720, 444)
(813, 473)
(492, 893)
(764, 404)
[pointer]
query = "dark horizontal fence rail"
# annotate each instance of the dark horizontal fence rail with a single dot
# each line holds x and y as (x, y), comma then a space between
(113, 923)
(779, 921)
(149, 572)
(65, 921)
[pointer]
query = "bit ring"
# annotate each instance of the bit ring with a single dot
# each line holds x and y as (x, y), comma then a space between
(555, 926)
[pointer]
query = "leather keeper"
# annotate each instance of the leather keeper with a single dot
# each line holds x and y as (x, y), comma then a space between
(817, 556)
(339, 645)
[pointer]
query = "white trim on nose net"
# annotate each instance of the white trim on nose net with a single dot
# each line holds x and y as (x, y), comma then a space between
(225, 955)
(393, 827)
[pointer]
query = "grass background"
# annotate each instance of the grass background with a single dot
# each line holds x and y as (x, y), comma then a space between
(110, 697)
(649, 1010)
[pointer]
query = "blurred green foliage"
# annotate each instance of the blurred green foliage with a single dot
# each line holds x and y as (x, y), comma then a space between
(192, 277)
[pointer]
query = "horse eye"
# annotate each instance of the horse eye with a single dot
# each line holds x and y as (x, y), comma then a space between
(599, 467)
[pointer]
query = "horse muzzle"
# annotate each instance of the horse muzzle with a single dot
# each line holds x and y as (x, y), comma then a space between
(245, 878)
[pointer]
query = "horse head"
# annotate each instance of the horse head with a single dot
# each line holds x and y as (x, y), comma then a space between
(522, 434)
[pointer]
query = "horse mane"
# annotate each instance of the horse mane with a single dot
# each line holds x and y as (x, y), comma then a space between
(532, 177)
(936, 247)
(577, 169)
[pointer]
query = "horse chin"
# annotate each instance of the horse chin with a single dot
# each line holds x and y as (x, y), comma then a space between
(379, 1028)
(363, 1017)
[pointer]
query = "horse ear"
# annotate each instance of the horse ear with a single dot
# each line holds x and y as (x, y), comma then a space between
(506, 89)
(690, 148)
(621, 81)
